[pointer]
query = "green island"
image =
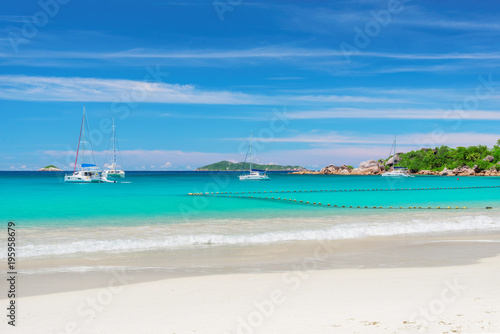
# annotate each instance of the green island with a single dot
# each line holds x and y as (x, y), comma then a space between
(478, 158)
(50, 168)
(238, 166)
(462, 161)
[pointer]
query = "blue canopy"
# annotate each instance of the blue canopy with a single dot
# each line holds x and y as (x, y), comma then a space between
(88, 165)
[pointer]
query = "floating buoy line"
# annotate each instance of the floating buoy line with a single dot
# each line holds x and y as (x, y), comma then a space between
(249, 195)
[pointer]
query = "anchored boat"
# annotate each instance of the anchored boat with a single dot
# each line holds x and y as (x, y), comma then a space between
(113, 173)
(88, 172)
(253, 175)
(396, 171)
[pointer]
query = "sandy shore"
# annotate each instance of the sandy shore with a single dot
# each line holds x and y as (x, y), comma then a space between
(439, 285)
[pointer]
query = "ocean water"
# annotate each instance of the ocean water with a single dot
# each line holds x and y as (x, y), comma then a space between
(153, 211)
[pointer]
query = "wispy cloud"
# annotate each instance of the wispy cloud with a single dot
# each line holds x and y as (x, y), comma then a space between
(439, 114)
(13, 18)
(442, 22)
(321, 150)
(275, 52)
(410, 140)
(27, 88)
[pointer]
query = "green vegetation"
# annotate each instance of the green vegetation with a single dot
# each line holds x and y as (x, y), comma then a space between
(49, 168)
(440, 157)
(231, 166)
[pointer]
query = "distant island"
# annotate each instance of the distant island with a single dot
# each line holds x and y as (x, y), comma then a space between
(50, 168)
(237, 166)
(461, 161)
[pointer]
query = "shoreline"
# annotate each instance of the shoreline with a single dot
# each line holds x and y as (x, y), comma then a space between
(284, 172)
(55, 274)
(377, 174)
(381, 285)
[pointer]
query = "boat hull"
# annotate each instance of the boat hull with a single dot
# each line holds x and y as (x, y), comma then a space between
(87, 175)
(254, 178)
(78, 179)
(114, 175)
(390, 174)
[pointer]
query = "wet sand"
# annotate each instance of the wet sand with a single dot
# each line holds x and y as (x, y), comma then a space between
(444, 283)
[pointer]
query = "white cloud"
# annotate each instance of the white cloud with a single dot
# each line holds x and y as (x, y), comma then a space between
(411, 141)
(26, 88)
(321, 148)
(442, 114)
(14, 18)
(269, 52)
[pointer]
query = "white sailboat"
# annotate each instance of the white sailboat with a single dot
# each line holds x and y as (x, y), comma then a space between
(113, 173)
(87, 173)
(396, 171)
(253, 175)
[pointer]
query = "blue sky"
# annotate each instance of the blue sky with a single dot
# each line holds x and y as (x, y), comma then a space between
(316, 82)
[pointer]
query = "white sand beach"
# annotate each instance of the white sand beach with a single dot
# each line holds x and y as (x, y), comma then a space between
(402, 290)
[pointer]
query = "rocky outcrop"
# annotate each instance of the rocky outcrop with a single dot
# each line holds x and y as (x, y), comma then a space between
(374, 167)
(464, 171)
(332, 169)
(369, 167)
(369, 164)
(445, 171)
(489, 158)
(391, 160)
(305, 172)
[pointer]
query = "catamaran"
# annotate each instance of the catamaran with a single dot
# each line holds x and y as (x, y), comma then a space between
(113, 173)
(253, 175)
(88, 172)
(396, 171)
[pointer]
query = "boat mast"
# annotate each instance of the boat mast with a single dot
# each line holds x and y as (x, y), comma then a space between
(114, 147)
(251, 152)
(79, 140)
(394, 159)
(83, 138)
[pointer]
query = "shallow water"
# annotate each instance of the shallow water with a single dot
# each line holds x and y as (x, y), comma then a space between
(152, 211)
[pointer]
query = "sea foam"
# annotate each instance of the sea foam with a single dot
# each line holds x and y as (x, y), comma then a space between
(243, 232)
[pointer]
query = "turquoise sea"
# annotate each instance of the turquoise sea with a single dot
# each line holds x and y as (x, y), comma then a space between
(152, 210)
